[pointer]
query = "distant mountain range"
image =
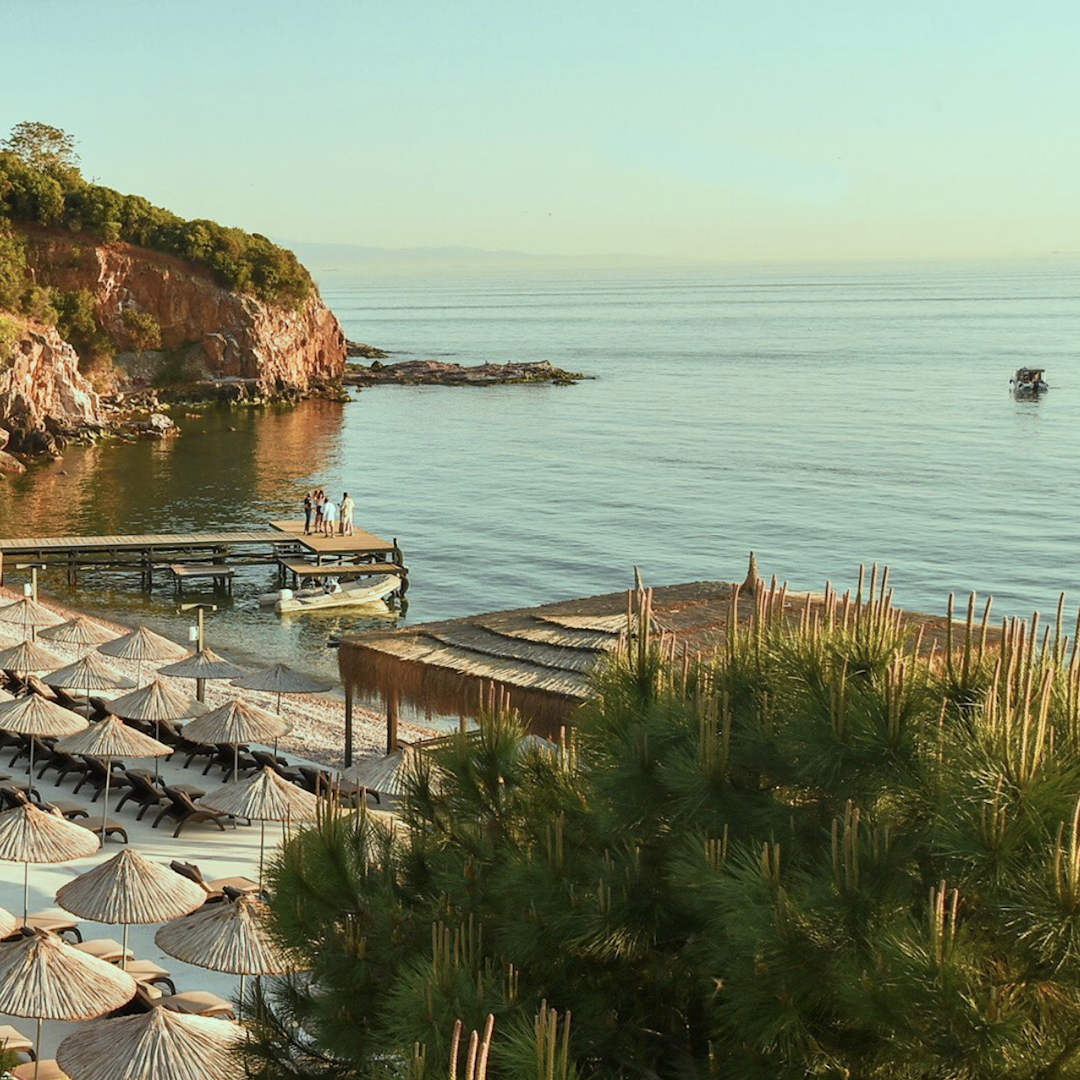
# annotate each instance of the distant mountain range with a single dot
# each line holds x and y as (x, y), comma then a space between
(347, 255)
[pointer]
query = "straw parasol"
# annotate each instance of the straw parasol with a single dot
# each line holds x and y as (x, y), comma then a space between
(86, 674)
(264, 796)
(8, 923)
(386, 775)
(140, 645)
(279, 679)
(78, 631)
(231, 937)
(156, 703)
(130, 888)
(111, 738)
(28, 614)
(35, 715)
(202, 665)
(29, 835)
(237, 722)
(45, 978)
(161, 1044)
(27, 658)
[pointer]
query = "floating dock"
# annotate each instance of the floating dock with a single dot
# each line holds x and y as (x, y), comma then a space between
(211, 554)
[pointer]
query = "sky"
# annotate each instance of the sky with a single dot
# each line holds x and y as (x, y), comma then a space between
(728, 130)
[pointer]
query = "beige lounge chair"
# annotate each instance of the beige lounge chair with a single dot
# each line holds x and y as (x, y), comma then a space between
(198, 1003)
(104, 949)
(46, 1069)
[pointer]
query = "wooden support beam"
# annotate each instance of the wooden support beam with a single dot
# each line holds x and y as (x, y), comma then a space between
(392, 704)
(348, 726)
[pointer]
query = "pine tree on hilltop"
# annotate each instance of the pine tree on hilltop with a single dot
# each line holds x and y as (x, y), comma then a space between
(827, 851)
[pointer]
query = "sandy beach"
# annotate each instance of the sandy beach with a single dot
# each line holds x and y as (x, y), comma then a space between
(318, 719)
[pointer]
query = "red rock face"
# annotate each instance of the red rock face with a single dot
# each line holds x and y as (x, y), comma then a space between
(43, 398)
(227, 334)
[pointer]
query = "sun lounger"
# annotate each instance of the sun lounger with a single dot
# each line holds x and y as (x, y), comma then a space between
(279, 764)
(215, 890)
(150, 974)
(13, 1041)
(198, 1003)
(104, 949)
(57, 924)
(46, 1069)
(141, 790)
(183, 810)
(112, 828)
(95, 774)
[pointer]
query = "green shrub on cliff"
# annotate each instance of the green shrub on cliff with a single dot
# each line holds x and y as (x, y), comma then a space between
(35, 191)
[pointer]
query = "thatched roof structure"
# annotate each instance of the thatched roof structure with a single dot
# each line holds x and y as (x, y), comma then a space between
(263, 796)
(543, 657)
(279, 679)
(111, 737)
(161, 1044)
(156, 702)
(228, 937)
(88, 673)
(28, 657)
(28, 834)
(130, 888)
(237, 721)
(26, 613)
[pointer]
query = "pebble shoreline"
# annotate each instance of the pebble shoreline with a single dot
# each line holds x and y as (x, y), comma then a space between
(318, 719)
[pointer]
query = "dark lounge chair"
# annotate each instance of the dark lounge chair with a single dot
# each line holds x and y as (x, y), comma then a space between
(280, 765)
(219, 889)
(141, 790)
(96, 771)
(183, 810)
(227, 756)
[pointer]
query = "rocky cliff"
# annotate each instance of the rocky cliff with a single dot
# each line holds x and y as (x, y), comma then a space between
(217, 334)
(43, 398)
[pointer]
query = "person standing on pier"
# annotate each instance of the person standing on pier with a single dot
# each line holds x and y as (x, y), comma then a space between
(307, 513)
(347, 508)
(329, 513)
(319, 500)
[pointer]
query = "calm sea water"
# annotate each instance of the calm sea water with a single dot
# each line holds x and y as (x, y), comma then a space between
(822, 416)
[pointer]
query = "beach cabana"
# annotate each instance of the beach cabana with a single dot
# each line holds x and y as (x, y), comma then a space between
(80, 631)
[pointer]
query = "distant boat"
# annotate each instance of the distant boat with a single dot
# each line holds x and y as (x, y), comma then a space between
(369, 592)
(1028, 380)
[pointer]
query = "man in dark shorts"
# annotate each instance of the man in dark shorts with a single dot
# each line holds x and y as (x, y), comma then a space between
(307, 513)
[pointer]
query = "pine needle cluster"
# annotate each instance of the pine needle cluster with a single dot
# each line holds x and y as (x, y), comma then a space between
(832, 850)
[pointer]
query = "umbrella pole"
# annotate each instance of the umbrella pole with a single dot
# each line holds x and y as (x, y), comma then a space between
(30, 784)
(37, 1048)
(200, 690)
(25, 891)
(123, 950)
(240, 1011)
(262, 845)
(105, 811)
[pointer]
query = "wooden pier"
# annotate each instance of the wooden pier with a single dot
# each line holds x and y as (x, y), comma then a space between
(211, 554)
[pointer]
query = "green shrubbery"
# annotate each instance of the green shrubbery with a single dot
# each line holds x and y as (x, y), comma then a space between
(58, 196)
(828, 851)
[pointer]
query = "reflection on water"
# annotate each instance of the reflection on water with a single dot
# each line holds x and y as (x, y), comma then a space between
(230, 468)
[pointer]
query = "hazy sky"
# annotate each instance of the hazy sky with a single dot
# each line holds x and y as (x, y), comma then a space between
(727, 129)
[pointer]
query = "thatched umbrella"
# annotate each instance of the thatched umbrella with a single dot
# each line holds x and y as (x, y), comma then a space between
(231, 937)
(78, 631)
(8, 923)
(28, 614)
(111, 738)
(202, 665)
(141, 645)
(156, 703)
(389, 774)
(237, 722)
(29, 835)
(34, 715)
(157, 1045)
(264, 796)
(279, 679)
(44, 978)
(130, 888)
(28, 658)
(86, 674)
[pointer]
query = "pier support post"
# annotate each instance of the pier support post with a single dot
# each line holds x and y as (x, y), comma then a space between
(348, 725)
(392, 722)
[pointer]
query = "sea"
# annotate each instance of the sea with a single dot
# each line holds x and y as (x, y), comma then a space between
(821, 416)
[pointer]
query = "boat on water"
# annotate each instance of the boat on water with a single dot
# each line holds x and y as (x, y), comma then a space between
(367, 592)
(1028, 380)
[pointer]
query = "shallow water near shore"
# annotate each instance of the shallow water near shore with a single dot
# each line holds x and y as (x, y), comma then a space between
(823, 416)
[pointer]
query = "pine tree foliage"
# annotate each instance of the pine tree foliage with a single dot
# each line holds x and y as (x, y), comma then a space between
(833, 849)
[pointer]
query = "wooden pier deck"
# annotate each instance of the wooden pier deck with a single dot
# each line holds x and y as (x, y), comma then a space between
(281, 541)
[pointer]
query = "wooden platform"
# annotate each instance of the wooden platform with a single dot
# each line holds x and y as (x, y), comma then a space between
(205, 554)
(221, 574)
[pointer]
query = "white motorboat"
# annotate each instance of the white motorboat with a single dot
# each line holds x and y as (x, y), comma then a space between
(364, 592)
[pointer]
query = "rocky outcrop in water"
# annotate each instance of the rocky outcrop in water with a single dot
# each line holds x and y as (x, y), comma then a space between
(44, 400)
(440, 373)
(206, 332)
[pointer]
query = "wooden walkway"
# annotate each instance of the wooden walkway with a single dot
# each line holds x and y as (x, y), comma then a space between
(282, 541)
